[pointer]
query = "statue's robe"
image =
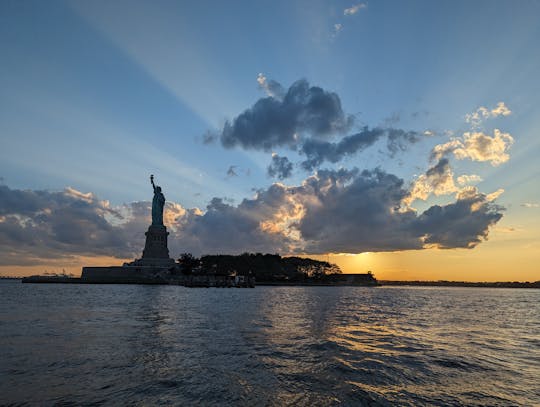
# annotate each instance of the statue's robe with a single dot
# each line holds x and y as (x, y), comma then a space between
(157, 208)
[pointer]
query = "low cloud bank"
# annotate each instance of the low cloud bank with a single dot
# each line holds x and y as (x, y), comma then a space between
(332, 211)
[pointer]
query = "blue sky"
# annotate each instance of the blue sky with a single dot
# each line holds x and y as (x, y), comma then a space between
(98, 95)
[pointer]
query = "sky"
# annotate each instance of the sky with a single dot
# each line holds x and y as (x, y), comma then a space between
(396, 137)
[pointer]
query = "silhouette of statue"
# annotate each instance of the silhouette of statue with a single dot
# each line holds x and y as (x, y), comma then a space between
(157, 204)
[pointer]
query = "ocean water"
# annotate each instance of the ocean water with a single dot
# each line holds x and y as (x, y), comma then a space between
(268, 346)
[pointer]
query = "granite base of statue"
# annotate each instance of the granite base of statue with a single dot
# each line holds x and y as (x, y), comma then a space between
(155, 250)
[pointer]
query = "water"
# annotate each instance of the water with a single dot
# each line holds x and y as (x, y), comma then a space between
(274, 346)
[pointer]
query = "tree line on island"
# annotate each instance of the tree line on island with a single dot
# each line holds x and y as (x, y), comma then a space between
(264, 267)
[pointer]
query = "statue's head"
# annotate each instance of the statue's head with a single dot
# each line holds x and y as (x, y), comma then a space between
(158, 189)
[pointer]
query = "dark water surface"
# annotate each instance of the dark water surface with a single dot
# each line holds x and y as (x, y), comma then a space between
(305, 346)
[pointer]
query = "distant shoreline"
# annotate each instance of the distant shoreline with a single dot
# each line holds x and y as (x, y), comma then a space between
(382, 283)
(485, 284)
(386, 283)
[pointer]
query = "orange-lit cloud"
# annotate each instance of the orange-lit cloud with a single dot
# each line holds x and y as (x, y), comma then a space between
(478, 146)
(482, 113)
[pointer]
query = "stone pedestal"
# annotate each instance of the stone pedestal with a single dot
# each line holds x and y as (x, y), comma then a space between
(156, 252)
(156, 243)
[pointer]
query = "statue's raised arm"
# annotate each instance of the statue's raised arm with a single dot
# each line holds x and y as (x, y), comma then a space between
(158, 203)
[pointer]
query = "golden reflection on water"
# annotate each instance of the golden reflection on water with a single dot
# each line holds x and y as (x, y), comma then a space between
(366, 338)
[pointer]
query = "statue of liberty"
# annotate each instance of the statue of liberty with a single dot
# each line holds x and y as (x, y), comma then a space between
(157, 204)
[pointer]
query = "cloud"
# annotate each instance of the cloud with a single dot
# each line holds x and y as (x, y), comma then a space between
(209, 137)
(442, 150)
(438, 180)
(319, 151)
(478, 146)
(308, 120)
(354, 9)
(280, 167)
(271, 87)
(43, 224)
(530, 205)
(500, 110)
(481, 147)
(463, 224)
(365, 214)
(477, 117)
(337, 28)
(494, 195)
(400, 140)
(353, 213)
(272, 122)
(40, 226)
(231, 171)
(225, 228)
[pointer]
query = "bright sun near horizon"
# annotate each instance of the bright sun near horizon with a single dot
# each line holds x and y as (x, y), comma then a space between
(400, 138)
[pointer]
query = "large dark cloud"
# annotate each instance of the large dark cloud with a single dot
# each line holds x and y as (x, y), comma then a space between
(27, 202)
(463, 224)
(366, 214)
(43, 224)
(274, 122)
(225, 228)
(357, 216)
(309, 120)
